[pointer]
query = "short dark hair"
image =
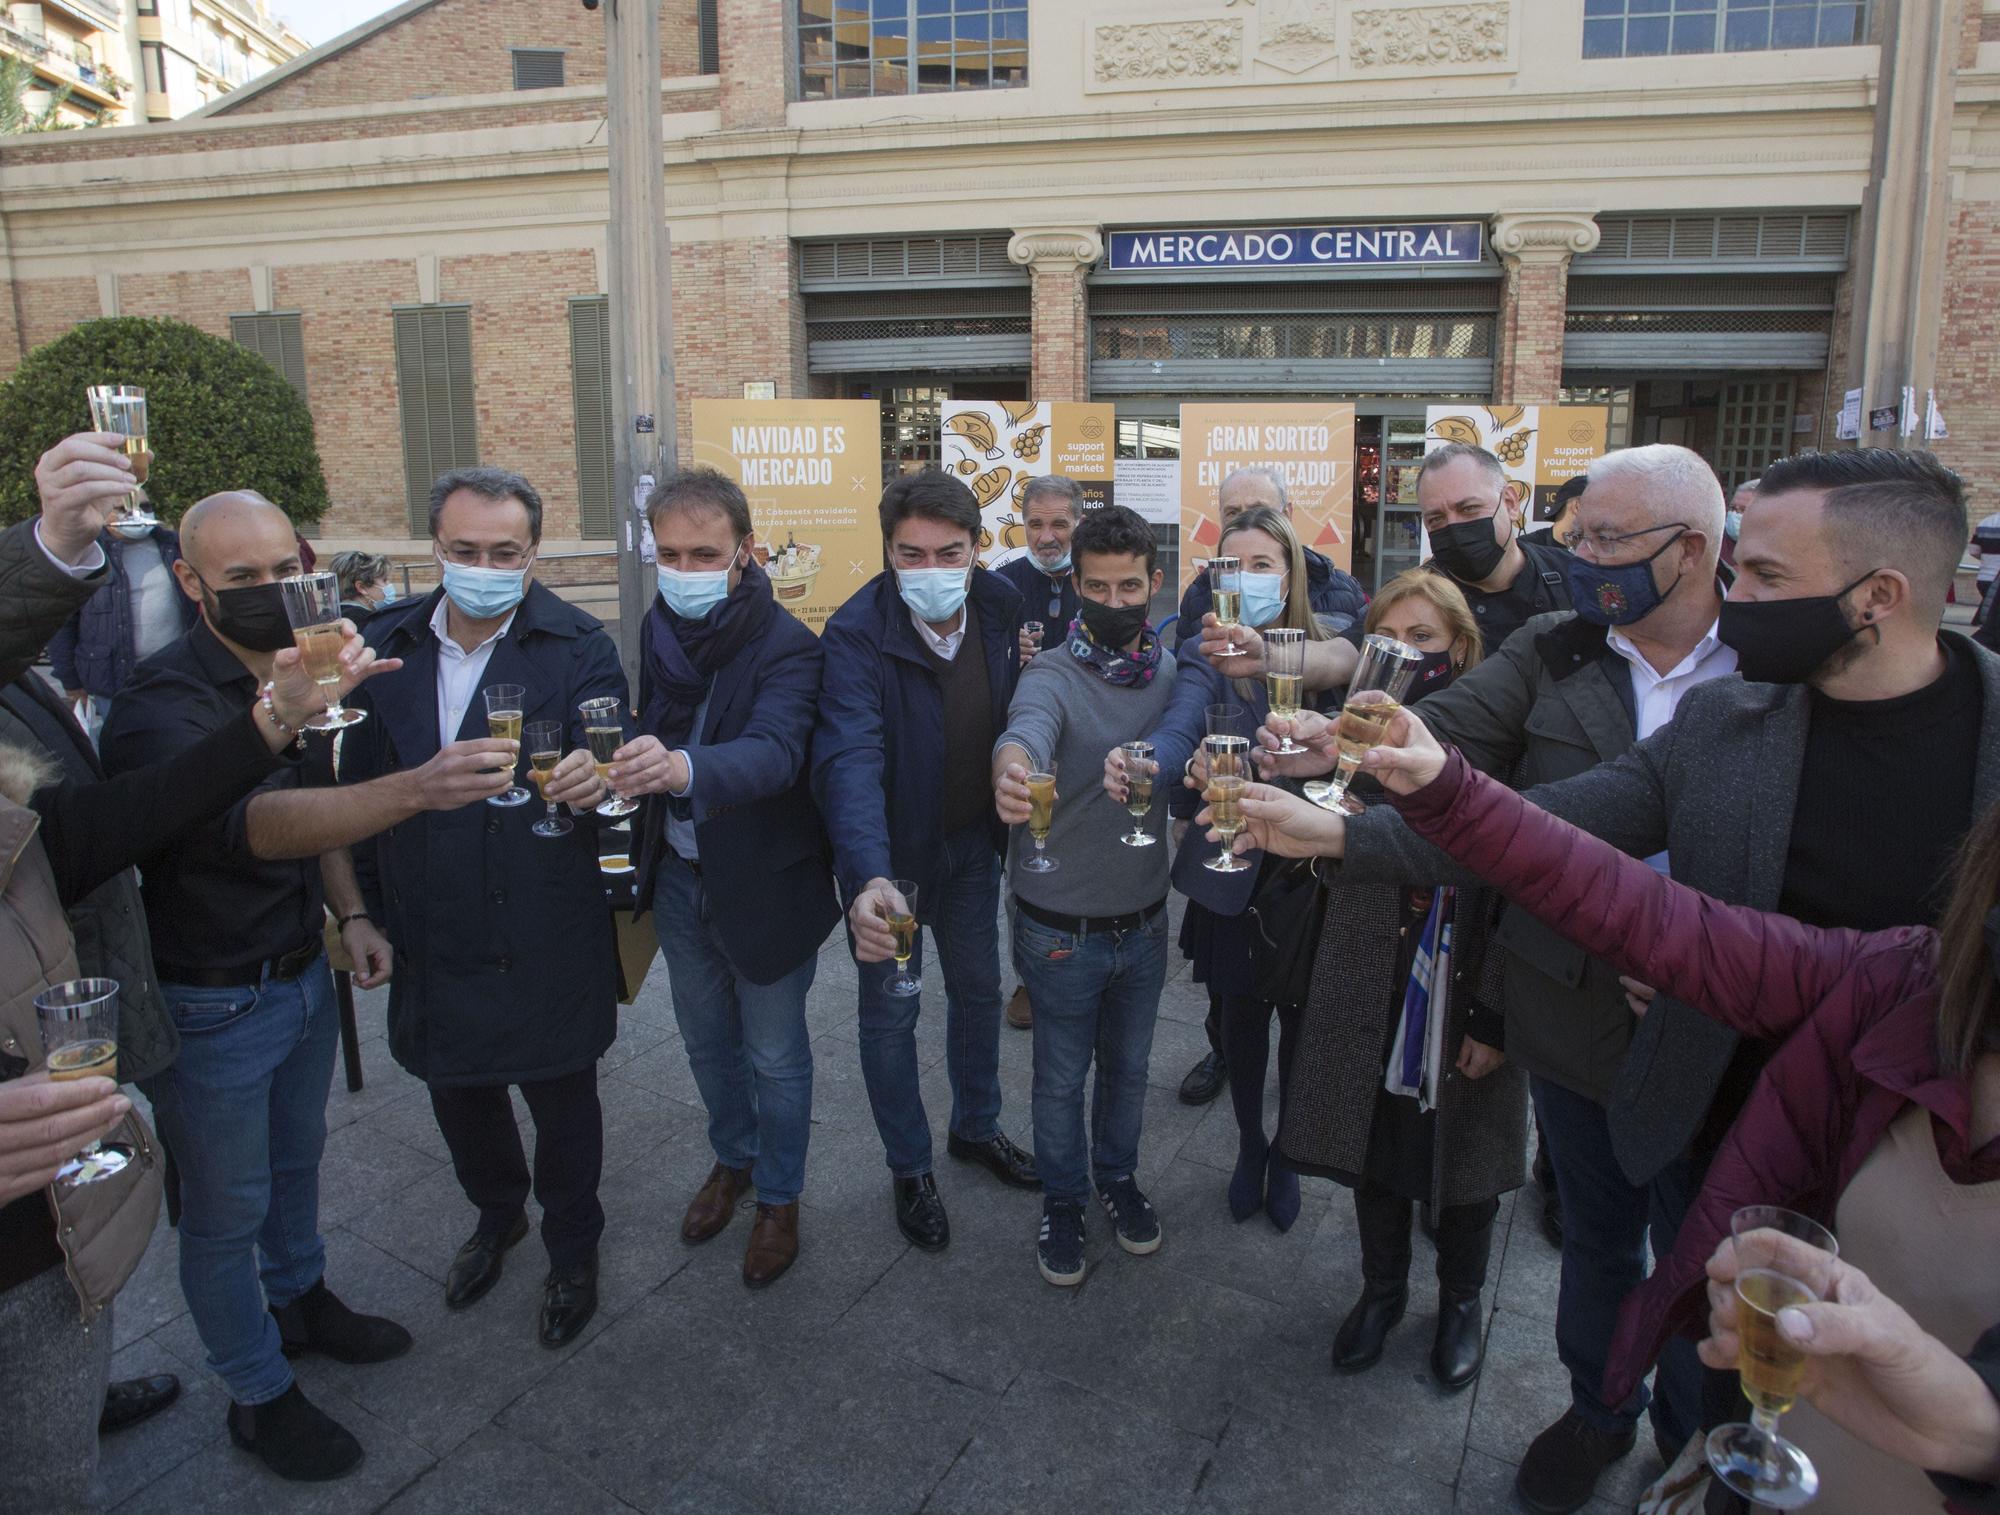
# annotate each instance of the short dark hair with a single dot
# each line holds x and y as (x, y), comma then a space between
(1885, 508)
(489, 484)
(1114, 531)
(933, 494)
(700, 489)
(1451, 452)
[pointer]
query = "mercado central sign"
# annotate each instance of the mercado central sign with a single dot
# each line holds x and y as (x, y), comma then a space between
(1228, 248)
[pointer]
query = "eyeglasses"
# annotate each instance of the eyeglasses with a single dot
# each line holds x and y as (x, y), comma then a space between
(1603, 542)
(507, 558)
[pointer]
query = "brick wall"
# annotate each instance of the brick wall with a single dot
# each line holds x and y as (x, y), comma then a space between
(1528, 332)
(1968, 366)
(48, 308)
(738, 316)
(1061, 326)
(462, 47)
(207, 298)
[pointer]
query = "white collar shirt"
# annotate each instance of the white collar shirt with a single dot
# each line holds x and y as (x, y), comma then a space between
(459, 671)
(945, 647)
(1655, 695)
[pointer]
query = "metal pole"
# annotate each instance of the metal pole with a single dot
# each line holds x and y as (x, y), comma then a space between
(641, 308)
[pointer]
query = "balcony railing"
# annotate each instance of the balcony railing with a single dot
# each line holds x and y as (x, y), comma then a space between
(60, 60)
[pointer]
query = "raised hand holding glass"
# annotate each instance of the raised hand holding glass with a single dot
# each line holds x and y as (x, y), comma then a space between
(312, 604)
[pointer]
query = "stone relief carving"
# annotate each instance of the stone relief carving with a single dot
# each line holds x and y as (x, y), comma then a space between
(1295, 35)
(1055, 246)
(1169, 50)
(1544, 236)
(1430, 36)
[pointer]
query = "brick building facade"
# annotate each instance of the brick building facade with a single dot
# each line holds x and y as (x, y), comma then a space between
(1682, 238)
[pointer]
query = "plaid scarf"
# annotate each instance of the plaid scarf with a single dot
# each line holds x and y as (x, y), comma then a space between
(1129, 670)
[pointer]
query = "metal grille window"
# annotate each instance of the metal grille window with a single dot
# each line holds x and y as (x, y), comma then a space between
(276, 338)
(933, 330)
(434, 392)
(851, 49)
(590, 400)
(1698, 323)
(1650, 28)
(538, 68)
(1756, 427)
(912, 425)
(892, 262)
(1775, 241)
(1273, 337)
(708, 51)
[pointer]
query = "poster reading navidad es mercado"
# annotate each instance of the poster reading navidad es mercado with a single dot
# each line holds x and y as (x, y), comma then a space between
(812, 471)
(1312, 447)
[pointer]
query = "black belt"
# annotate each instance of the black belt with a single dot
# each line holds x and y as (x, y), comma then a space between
(1084, 925)
(290, 966)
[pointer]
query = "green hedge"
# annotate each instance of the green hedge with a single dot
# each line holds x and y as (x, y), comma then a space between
(218, 416)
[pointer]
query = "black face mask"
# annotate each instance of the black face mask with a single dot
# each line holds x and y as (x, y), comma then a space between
(1433, 673)
(1466, 549)
(1785, 641)
(1112, 627)
(252, 616)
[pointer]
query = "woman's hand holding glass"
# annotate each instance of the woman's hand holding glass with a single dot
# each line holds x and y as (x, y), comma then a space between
(1310, 730)
(1247, 660)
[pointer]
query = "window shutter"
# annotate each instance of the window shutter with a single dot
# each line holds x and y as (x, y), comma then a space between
(276, 338)
(538, 68)
(590, 394)
(434, 398)
(707, 46)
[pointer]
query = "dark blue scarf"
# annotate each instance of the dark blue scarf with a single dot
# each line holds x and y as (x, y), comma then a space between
(682, 657)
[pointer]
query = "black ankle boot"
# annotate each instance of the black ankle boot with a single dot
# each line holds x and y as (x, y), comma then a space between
(1357, 1345)
(318, 1322)
(1460, 1345)
(296, 1440)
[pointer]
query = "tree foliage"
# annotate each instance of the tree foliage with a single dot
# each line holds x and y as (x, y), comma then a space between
(17, 78)
(219, 416)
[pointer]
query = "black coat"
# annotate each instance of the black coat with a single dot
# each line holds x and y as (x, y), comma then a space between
(506, 968)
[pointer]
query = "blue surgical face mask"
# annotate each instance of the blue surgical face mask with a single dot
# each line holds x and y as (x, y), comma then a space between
(1732, 524)
(388, 592)
(485, 594)
(691, 593)
(935, 594)
(1061, 565)
(1263, 598)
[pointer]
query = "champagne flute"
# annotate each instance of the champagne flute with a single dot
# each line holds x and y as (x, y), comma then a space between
(604, 729)
(544, 742)
(1139, 769)
(122, 408)
(312, 603)
(1035, 630)
(903, 926)
(1225, 582)
(503, 723)
(79, 1023)
(1228, 759)
(1285, 676)
(1042, 816)
(1375, 696)
(1782, 1259)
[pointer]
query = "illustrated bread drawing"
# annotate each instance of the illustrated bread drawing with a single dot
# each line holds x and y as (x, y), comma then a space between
(989, 485)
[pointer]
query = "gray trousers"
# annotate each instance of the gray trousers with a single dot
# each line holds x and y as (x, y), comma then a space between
(53, 1370)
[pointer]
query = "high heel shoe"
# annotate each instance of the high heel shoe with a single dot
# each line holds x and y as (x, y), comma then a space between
(1246, 1184)
(1281, 1193)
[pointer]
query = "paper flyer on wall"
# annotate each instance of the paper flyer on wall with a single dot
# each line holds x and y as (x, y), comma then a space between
(812, 470)
(1540, 447)
(997, 446)
(1310, 444)
(1848, 427)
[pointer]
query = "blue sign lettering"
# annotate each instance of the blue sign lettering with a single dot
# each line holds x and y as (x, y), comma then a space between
(1222, 249)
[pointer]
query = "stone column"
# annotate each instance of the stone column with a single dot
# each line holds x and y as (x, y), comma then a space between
(1535, 247)
(754, 52)
(1057, 258)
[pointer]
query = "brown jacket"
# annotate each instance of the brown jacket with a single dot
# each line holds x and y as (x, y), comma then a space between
(102, 1228)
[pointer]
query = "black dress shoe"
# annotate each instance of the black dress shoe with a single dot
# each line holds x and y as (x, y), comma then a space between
(920, 1213)
(569, 1299)
(477, 1266)
(296, 1440)
(1204, 1080)
(1000, 1157)
(1460, 1345)
(318, 1322)
(136, 1399)
(1563, 1464)
(1357, 1345)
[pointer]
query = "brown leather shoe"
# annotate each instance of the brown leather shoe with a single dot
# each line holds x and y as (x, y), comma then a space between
(774, 1242)
(1020, 1013)
(709, 1211)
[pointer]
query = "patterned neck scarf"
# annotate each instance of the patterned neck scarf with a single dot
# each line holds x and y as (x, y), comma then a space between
(1129, 670)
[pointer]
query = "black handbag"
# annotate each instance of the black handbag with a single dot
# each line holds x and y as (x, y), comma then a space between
(1286, 911)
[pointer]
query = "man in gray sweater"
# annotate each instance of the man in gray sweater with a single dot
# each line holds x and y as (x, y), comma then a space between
(1090, 943)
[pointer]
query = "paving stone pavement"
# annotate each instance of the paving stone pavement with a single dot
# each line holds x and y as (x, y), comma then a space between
(872, 1378)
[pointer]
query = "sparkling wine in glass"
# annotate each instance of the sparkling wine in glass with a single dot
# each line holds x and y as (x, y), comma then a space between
(543, 741)
(1374, 699)
(1782, 1259)
(503, 723)
(121, 408)
(1139, 771)
(79, 1023)
(1225, 582)
(1042, 817)
(903, 926)
(1284, 676)
(312, 601)
(1228, 759)
(604, 729)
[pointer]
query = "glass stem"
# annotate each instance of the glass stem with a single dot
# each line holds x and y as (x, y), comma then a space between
(1766, 1424)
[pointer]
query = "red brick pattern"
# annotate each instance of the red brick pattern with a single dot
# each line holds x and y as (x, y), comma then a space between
(1528, 333)
(738, 317)
(48, 308)
(1968, 362)
(1061, 306)
(206, 298)
(756, 62)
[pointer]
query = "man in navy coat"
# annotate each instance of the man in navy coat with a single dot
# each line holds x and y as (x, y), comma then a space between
(733, 860)
(920, 666)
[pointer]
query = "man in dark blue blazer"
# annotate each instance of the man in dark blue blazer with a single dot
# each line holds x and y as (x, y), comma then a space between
(920, 666)
(733, 860)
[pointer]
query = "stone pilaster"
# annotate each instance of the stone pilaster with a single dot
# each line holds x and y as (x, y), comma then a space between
(1535, 247)
(1057, 258)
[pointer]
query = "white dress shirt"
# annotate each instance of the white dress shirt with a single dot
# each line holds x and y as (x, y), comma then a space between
(459, 671)
(1656, 696)
(75, 570)
(945, 647)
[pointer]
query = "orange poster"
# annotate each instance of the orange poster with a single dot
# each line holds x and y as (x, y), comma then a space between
(1310, 444)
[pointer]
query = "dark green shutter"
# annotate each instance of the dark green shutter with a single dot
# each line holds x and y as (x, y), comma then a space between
(434, 391)
(590, 395)
(276, 338)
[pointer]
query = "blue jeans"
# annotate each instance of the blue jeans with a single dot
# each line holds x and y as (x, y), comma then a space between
(747, 1043)
(243, 1110)
(1097, 994)
(961, 910)
(1604, 1224)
